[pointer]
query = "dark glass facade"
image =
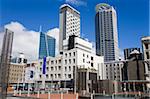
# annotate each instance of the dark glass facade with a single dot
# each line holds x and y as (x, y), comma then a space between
(47, 45)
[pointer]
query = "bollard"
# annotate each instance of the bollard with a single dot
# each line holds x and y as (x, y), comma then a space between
(38, 94)
(61, 95)
(14, 92)
(28, 92)
(49, 95)
(91, 95)
(19, 92)
(76, 95)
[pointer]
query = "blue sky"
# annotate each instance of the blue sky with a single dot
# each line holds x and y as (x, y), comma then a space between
(133, 16)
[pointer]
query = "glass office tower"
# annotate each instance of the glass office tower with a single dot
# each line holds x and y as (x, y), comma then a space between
(106, 32)
(47, 45)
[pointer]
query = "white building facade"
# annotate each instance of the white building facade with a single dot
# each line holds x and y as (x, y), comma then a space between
(69, 23)
(62, 67)
(113, 70)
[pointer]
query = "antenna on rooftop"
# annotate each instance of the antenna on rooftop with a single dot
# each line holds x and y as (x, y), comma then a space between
(40, 29)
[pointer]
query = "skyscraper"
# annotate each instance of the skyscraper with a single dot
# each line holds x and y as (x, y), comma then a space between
(106, 32)
(69, 23)
(5, 62)
(47, 45)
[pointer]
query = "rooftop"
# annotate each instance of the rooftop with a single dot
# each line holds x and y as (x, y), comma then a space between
(67, 5)
(102, 6)
(146, 38)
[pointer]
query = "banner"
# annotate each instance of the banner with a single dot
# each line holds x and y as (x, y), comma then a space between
(44, 65)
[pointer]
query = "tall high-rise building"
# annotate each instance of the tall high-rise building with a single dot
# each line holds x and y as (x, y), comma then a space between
(69, 23)
(5, 62)
(106, 32)
(146, 53)
(47, 45)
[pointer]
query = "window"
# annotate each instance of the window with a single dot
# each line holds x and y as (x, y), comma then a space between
(40, 76)
(40, 69)
(69, 75)
(47, 63)
(65, 68)
(146, 46)
(55, 76)
(91, 58)
(83, 55)
(59, 61)
(147, 55)
(91, 64)
(74, 61)
(55, 67)
(69, 68)
(65, 76)
(46, 75)
(51, 75)
(52, 68)
(40, 63)
(47, 68)
(83, 60)
(59, 75)
(74, 53)
(65, 61)
(59, 67)
(70, 54)
(56, 61)
(65, 54)
(70, 61)
(52, 62)
(118, 68)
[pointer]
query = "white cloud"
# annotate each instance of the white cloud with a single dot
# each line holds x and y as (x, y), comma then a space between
(77, 2)
(55, 33)
(26, 41)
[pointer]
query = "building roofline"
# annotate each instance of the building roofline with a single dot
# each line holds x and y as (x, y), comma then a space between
(67, 5)
(145, 38)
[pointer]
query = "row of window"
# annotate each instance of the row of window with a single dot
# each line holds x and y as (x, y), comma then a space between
(15, 66)
(70, 61)
(52, 68)
(70, 54)
(53, 76)
(113, 65)
(115, 77)
(68, 68)
(52, 62)
(113, 69)
(13, 74)
(14, 79)
(14, 70)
